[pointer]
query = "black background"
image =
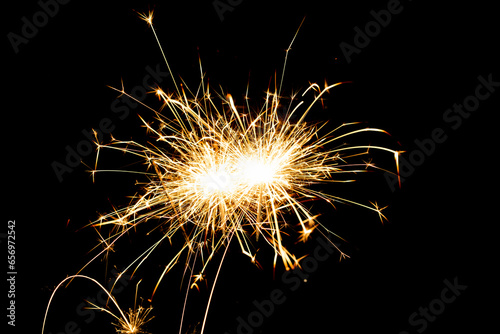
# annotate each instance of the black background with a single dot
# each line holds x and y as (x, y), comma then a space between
(440, 221)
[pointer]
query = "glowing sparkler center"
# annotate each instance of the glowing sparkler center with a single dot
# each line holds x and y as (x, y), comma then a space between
(216, 181)
(257, 171)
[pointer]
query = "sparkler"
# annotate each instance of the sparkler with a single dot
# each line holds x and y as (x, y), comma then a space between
(131, 322)
(218, 172)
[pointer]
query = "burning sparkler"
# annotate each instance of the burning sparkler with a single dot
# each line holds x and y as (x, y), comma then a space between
(131, 322)
(218, 172)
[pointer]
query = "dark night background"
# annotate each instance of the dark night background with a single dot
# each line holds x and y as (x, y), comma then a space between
(441, 221)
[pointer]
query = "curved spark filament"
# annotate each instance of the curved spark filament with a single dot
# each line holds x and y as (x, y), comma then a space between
(128, 323)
